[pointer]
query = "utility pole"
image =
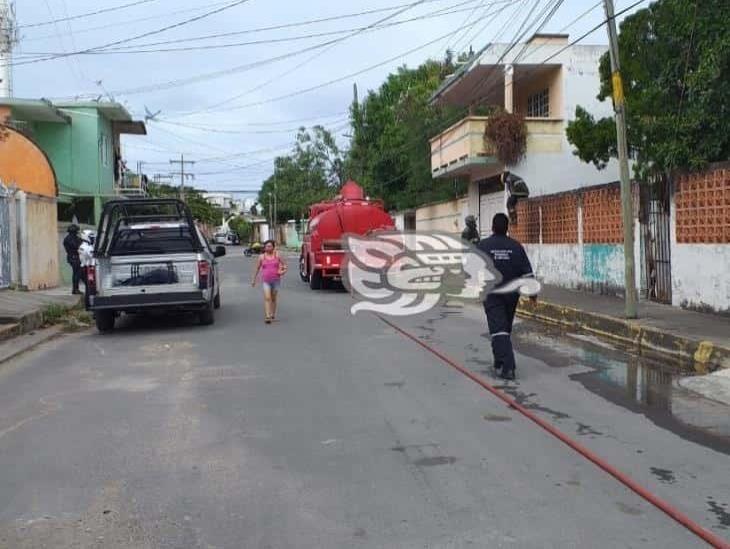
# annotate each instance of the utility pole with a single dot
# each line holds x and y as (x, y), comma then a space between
(183, 175)
(276, 216)
(8, 38)
(627, 210)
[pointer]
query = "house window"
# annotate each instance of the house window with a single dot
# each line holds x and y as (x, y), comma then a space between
(104, 150)
(538, 104)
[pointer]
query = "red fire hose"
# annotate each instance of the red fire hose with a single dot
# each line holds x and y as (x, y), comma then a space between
(624, 479)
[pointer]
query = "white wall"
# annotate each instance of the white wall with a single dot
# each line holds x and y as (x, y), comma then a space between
(549, 263)
(447, 217)
(702, 288)
(399, 219)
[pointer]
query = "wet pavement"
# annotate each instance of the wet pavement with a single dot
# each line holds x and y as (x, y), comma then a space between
(644, 384)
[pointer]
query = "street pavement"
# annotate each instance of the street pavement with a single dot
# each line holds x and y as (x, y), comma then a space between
(325, 430)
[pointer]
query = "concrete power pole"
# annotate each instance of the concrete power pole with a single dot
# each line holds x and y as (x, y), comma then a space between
(627, 210)
(8, 38)
(183, 175)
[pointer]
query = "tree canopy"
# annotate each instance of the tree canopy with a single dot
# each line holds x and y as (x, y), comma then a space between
(312, 172)
(389, 152)
(675, 61)
(201, 209)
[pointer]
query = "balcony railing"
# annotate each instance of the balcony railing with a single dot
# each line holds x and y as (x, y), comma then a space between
(129, 184)
(462, 149)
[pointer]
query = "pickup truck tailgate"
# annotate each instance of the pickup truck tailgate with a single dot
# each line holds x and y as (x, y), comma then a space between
(177, 272)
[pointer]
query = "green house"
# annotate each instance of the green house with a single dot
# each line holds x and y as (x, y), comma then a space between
(82, 141)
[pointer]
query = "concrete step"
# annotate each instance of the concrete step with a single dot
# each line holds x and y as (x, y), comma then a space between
(9, 331)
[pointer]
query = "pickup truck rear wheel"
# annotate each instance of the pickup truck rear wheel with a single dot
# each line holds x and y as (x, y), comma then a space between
(315, 280)
(217, 300)
(105, 321)
(207, 315)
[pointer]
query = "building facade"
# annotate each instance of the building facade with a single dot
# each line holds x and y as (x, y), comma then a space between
(544, 80)
(28, 214)
(82, 140)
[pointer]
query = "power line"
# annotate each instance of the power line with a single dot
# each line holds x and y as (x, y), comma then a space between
(313, 88)
(224, 72)
(209, 129)
(84, 15)
(138, 36)
(319, 54)
(129, 49)
(290, 25)
(126, 22)
(452, 44)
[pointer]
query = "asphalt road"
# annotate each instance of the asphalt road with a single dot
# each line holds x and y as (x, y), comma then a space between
(326, 430)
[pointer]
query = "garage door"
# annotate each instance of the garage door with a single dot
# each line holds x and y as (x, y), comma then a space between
(489, 205)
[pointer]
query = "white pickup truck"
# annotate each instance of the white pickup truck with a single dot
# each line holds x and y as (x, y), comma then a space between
(150, 255)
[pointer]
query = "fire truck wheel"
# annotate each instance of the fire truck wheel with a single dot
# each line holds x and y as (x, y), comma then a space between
(315, 280)
(303, 269)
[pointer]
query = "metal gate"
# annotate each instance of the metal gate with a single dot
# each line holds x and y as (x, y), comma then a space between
(655, 234)
(4, 237)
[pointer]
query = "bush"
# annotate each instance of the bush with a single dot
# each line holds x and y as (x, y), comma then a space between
(507, 133)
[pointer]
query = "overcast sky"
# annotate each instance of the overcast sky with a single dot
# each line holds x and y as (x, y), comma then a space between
(227, 108)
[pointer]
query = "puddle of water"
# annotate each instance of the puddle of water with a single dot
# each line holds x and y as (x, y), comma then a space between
(639, 383)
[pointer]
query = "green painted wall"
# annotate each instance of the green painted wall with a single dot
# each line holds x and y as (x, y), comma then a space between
(82, 153)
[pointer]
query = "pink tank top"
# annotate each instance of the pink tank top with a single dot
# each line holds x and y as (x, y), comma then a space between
(270, 269)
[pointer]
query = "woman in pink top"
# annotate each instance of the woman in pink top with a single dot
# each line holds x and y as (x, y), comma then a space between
(272, 268)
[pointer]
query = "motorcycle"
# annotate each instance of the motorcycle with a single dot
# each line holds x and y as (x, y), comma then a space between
(254, 249)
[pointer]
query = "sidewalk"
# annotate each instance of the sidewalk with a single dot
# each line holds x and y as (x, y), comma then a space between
(700, 341)
(22, 312)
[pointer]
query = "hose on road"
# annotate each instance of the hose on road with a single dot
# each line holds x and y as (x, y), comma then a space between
(623, 478)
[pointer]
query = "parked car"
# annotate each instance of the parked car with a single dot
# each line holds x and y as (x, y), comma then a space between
(150, 256)
(226, 239)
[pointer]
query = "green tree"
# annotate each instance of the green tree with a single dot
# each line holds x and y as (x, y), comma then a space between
(389, 151)
(312, 172)
(201, 209)
(241, 228)
(675, 61)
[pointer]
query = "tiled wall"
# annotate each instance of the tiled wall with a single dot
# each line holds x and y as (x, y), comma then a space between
(702, 202)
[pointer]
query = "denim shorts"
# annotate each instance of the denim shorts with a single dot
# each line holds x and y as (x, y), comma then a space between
(272, 286)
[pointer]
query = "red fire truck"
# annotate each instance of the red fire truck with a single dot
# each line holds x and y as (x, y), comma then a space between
(350, 212)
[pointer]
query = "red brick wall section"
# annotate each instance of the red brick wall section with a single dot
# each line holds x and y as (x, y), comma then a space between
(702, 202)
(527, 228)
(560, 219)
(602, 216)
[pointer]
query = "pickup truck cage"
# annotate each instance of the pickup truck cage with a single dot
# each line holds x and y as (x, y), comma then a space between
(118, 212)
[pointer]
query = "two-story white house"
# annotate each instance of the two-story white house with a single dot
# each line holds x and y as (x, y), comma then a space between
(543, 79)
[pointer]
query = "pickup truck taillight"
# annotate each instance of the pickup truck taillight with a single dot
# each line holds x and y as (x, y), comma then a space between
(203, 274)
(91, 279)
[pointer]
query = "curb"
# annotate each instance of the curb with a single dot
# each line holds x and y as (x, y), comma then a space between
(701, 356)
(22, 344)
(16, 327)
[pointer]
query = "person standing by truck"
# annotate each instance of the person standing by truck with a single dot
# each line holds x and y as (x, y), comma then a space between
(86, 257)
(272, 267)
(71, 244)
